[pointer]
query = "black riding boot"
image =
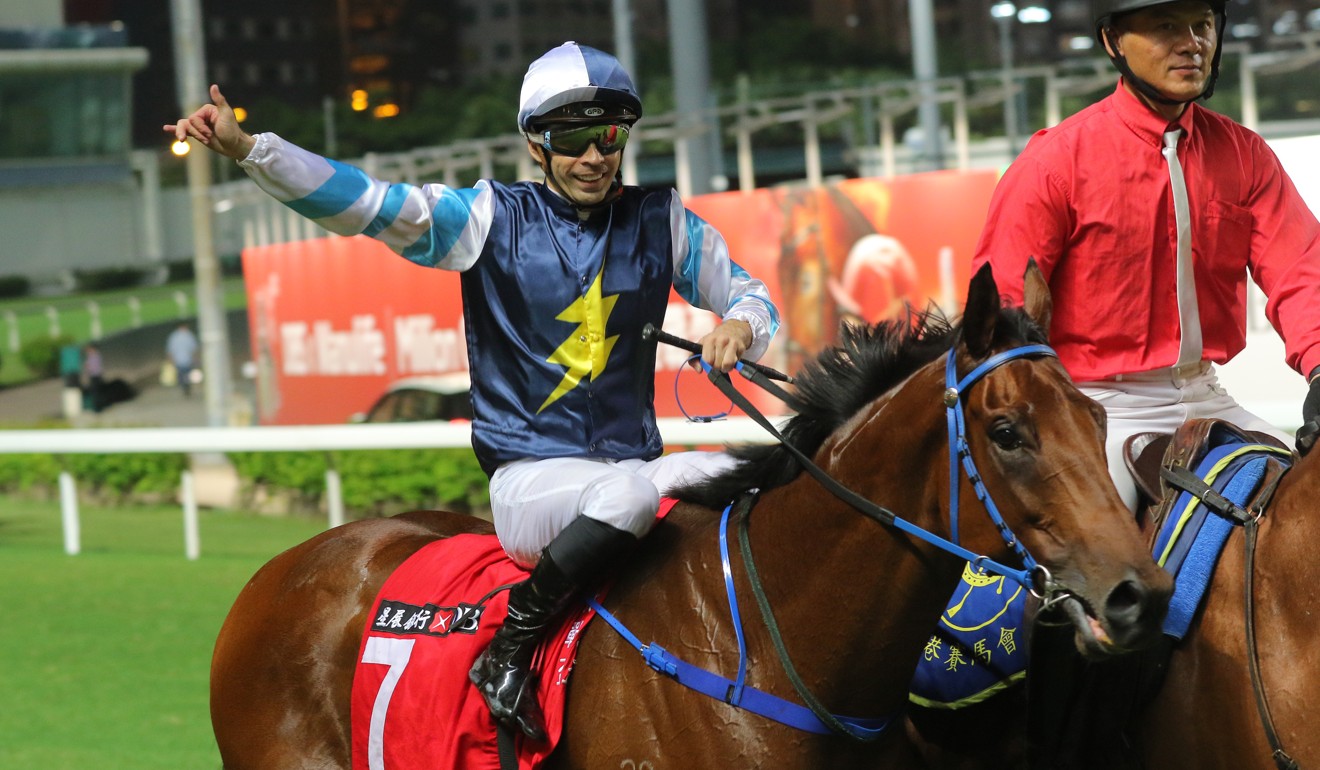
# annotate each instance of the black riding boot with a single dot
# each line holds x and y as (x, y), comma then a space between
(571, 561)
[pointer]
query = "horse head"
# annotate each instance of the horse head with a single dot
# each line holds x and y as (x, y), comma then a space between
(1039, 446)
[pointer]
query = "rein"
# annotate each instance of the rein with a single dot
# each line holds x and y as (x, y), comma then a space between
(1282, 760)
(815, 718)
(735, 692)
(1249, 518)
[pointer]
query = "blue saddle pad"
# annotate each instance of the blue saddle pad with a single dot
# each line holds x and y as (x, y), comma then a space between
(976, 649)
(1193, 536)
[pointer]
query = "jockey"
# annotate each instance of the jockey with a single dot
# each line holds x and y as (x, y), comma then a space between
(1146, 212)
(559, 277)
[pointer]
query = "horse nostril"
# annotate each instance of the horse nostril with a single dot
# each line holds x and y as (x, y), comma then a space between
(1125, 603)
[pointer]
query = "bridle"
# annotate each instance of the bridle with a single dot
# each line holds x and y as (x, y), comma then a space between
(1033, 576)
(1047, 590)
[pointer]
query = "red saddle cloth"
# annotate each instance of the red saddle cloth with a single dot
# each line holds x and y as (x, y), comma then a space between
(413, 706)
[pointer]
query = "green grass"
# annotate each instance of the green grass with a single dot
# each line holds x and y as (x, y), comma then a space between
(157, 303)
(104, 656)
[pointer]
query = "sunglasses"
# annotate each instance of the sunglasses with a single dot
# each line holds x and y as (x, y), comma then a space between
(573, 142)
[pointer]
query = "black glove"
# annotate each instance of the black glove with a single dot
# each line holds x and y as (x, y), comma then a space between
(1310, 430)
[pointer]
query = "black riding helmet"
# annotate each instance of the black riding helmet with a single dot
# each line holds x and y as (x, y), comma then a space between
(1104, 12)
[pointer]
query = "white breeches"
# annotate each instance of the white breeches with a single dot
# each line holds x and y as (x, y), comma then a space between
(533, 500)
(1161, 401)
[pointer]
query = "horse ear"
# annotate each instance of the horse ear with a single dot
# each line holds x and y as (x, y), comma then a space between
(981, 312)
(1036, 295)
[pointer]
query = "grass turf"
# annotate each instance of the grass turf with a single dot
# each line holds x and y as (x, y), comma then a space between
(104, 656)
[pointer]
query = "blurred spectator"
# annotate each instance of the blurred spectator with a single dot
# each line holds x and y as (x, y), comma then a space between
(181, 348)
(94, 372)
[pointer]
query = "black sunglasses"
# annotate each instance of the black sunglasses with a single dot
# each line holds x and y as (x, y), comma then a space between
(573, 142)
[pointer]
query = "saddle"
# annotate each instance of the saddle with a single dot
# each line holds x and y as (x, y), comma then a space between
(1151, 455)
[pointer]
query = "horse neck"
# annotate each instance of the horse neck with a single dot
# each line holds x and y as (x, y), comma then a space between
(833, 573)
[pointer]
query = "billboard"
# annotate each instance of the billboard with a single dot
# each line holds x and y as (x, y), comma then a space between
(335, 320)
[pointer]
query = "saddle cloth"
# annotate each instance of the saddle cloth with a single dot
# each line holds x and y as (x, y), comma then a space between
(412, 703)
(977, 648)
(1192, 536)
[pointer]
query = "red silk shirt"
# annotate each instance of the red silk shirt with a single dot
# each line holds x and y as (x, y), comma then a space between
(1090, 199)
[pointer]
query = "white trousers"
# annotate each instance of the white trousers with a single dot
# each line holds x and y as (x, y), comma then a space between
(533, 500)
(1161, 401)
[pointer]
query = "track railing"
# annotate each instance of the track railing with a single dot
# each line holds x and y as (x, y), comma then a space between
(676, 432)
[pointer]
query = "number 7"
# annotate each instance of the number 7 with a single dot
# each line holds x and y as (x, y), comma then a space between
(394, 653)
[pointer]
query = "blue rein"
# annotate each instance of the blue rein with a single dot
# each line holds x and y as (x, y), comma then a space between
(735, 691)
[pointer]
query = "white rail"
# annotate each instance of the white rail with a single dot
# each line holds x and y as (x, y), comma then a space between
(676, 432)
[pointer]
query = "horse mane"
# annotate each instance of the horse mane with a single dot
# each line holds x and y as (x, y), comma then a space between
(867, 362)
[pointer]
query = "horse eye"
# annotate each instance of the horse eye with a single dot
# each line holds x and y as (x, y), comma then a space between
(1005, 437)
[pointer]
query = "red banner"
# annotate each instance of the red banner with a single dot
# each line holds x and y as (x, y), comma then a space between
(335, 320)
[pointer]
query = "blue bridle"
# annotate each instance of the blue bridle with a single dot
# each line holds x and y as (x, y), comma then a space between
(958, 448)
(814, 717)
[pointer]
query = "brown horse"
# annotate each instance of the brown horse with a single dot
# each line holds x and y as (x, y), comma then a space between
(855, 600)
(1191, 704)
(1205, 716)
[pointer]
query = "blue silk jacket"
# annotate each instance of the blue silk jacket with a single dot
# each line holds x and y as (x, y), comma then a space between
(553, 303)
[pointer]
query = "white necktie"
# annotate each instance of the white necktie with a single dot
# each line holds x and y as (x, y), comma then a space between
(1189, 319)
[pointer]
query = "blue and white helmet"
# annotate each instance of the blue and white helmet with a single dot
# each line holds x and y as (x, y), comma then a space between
(577, 84)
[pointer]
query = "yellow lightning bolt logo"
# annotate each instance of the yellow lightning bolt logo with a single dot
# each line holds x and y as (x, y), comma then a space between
(587, 349)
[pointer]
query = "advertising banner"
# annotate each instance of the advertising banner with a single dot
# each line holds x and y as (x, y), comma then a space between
(336, 320)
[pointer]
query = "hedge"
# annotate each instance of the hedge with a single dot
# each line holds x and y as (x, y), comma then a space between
(108, 479)
(374, 482)
(14, 286)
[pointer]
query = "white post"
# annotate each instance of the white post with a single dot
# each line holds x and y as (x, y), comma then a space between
(135, 311)
(69, 515)
(192, 543)
(334, 498)
(1247, 80)
(888, 149)
(181, 299)
(53, 318)
(961, 131)
(746, 164)
(815, 174)
(12, 321)
(277, 221)
(94, 310)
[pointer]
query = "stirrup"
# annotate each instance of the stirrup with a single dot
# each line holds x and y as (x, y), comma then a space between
(496, 681)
